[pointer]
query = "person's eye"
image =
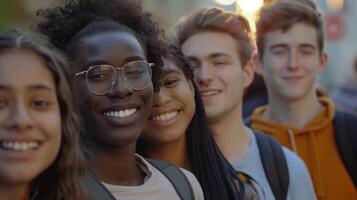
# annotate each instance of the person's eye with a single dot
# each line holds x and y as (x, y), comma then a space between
(219, 63)
(98, 76)
(307, 52)
(279, 52)
(40, 103)
(3, 103)
(171, 82)
(135, 74)
(194, 64)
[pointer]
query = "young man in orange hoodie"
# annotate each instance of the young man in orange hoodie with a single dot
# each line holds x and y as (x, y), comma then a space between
(290, 56)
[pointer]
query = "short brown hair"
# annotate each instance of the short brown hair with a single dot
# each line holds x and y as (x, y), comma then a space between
(283, 14)
(218, 20)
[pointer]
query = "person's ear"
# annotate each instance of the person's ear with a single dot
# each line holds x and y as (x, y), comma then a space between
(257, 63)
(323, 61)
(248, 73)
(190, 83)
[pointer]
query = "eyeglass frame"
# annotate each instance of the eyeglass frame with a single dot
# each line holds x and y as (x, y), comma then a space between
(114, 82)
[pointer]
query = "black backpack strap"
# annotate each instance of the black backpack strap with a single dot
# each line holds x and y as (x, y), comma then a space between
(96, 190)
(345, 129)
(274, 164)
(248, 121)
(177, 178)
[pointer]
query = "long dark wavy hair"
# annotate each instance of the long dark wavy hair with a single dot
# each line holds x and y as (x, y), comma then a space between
(214, 173)
(60, 181)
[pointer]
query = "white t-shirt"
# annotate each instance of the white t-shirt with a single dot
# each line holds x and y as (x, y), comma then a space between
(155, 187)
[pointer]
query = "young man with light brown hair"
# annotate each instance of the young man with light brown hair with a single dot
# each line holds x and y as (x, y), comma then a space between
(290, 42)
(218, 47)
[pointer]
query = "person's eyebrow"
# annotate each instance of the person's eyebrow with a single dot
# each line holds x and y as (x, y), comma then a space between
(42, 87)
(92, 63)
(4, 87)
(166, 72)
(220, 54)
(32, 87)
(133, 58)
(307, 45)
(278, 45)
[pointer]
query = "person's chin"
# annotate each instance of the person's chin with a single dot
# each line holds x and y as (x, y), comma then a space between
(119, 138)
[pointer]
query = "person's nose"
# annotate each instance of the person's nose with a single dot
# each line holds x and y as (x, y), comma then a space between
(19, 118)
(120, 88)
(162, 97)
(293, 61)
(204, 75)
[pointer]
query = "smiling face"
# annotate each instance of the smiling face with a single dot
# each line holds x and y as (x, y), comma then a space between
(218, 72)
(291, 62)
(117, 118)
(30, 121)
(173, 108)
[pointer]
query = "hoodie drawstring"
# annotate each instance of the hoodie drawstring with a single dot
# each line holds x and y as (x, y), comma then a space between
(292, 141)
(317, 178)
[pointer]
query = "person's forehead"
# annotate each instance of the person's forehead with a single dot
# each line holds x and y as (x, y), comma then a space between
(204, 44)
(27, 66)
(297, 34)
(112, 40)
(112, 46)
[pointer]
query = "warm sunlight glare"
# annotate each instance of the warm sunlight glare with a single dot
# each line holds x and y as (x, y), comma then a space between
(249, 9)
(336, 5)
(225, 2)
(250, 6)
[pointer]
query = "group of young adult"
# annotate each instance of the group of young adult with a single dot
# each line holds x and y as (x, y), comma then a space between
(100, 117)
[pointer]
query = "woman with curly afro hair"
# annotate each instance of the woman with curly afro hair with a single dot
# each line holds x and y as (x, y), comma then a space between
(115, 54)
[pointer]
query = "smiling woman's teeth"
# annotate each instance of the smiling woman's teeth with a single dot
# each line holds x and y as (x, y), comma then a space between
(165, 117)
(120, 113)
(18, 146)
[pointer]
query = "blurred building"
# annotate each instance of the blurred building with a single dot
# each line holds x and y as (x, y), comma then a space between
(341, 30)
(340, 18)
(169, 11)
(340, 22)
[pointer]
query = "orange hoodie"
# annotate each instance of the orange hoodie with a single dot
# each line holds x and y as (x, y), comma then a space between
(315, 144)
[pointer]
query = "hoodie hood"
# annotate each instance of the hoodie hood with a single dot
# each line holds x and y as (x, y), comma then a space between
(324, 118)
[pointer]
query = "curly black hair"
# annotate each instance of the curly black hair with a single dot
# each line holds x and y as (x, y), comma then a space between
(67, 25)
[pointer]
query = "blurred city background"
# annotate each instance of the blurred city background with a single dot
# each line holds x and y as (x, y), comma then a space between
(340, 24)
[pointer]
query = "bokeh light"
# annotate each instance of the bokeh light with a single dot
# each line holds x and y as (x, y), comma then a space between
(250, 6)
(225, 2)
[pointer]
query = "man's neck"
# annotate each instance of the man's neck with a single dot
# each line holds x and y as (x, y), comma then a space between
(296, 114)
(231, 135)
